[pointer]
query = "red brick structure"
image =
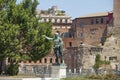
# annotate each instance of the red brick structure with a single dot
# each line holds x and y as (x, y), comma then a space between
(90, 29)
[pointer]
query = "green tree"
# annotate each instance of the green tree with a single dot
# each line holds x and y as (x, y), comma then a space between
(21, 32)
(97, 63)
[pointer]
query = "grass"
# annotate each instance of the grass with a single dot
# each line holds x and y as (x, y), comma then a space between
(22, 76)
(95, 77)
(89, 77)
(78, 78)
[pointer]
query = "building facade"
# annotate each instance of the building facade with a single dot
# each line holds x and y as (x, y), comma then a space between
(90, 29)
(59, 19)
(86, 35)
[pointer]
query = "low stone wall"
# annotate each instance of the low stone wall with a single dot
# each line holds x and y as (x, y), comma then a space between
(29, 79)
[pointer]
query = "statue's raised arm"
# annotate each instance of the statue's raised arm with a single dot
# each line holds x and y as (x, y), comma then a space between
(49, 38)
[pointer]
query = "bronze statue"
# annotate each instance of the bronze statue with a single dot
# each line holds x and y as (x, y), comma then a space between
(57, 46)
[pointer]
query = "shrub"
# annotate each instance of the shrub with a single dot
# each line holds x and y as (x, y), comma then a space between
(104, 77)
(111, 77)
(12, 69)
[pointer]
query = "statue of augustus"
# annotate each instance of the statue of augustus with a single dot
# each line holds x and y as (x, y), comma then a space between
(57, 46)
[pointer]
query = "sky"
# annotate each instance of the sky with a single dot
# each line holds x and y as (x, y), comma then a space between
(76, 8)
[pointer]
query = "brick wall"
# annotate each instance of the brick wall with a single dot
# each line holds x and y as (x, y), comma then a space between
(90, 30)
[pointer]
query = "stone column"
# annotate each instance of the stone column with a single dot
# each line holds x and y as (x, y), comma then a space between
(116, 16)
(116, 13)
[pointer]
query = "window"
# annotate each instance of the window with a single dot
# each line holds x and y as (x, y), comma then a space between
(82, 24)
(53, 20)
(24, 61)
(47, 20)
(92, 21)
(93, 30)
(70, 35)
(35, 61)
(63, 20)
(45, 60)
(29, 61)
(68, 21)
(97, 21)
(102, 20)
(40, 60)
(58, 20)
(9, 60)
(51, 60)
(113, 58)
(20, 61)
(70, 44)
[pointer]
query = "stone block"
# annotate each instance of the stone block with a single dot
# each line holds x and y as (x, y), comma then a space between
(58, 71)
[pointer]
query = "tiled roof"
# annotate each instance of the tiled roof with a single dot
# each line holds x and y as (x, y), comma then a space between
(95, 15)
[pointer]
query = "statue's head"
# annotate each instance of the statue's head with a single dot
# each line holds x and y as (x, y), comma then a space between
(56, 35)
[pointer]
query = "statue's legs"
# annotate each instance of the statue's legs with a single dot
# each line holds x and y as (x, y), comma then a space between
(60, 55)
(56, 52)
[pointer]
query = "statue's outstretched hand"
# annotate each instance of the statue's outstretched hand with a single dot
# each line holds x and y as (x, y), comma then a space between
(43, 35)
(47, 37)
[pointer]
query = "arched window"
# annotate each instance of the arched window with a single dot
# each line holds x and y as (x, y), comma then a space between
(68, 21)
(63, 20)
(45, 60)
(40, 61)
(53, 20)
(47, 20)
(58, 20)
(9, 60)
(70, 44)
(51, 60)
(42, 20)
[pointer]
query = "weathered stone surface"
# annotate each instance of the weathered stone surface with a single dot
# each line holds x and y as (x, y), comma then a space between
(116, 31)
(116, 11)
(58, 71)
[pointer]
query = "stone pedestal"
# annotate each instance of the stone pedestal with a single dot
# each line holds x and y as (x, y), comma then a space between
(62, 71)
(55, 71)
(59, 71)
